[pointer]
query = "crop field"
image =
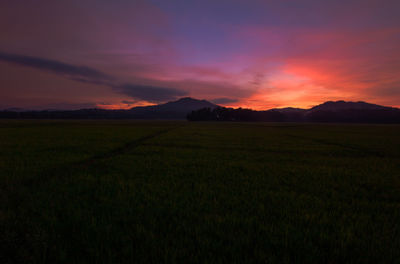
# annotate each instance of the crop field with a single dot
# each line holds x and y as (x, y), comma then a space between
(188, 192)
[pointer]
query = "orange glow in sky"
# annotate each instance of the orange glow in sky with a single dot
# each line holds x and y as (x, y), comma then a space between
(253, 54)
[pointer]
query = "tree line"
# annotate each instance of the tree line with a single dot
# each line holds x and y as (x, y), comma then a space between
(386, 116)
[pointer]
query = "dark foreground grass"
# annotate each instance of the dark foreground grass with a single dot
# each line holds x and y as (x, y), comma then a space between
(178, 192)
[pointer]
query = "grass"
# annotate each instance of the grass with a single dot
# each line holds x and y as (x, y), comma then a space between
(179, 192)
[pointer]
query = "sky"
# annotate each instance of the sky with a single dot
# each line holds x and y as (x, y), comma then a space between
(257, 54)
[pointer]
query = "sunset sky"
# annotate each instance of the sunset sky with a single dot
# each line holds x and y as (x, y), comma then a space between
(259, 54)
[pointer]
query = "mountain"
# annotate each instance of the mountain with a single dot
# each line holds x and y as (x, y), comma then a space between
(15, 109)
(342, 105)
(333, 106)
(289, 110)
(291, 114)
(343, 112)
(328, 112)
(200, 110)
(352, 112)
(171, 110)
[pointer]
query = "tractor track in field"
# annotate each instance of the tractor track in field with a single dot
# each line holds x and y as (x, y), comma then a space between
(67, 169)
(121, 149)
(126, 147)
(15, 198)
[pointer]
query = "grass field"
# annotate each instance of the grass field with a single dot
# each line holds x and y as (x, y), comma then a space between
(180, 192)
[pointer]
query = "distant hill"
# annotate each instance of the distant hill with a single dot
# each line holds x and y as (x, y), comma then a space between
(328, 112)
(289, 110)
(15, 109)
(291, 114)
(202, 110)
(171, 110)
(352, 112)
(342, 105)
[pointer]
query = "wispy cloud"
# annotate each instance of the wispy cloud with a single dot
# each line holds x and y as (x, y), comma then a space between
(90, 75)
(54, 66)
(224, 100)
(149, 93)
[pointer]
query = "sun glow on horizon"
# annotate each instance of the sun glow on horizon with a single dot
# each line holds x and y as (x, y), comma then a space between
(122, 105)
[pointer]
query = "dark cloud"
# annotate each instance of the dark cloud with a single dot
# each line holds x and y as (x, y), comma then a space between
(104, 103)
(81, 73)
(128, 102)
(149, 93)
(258, 79)
(224, 100)
(92, 81)
(89, 75)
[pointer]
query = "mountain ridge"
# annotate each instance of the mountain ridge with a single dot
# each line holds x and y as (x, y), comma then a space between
(342, 105)
(335, 106)
(327, 112)
(330, 111)
(171, 110)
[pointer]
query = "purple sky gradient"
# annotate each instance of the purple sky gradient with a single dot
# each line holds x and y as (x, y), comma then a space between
(259, 54)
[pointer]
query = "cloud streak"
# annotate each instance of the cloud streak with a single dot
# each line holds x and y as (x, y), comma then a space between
(263, 54)
(90, 75)
(55, 66)
(224, 100)
(149, 93)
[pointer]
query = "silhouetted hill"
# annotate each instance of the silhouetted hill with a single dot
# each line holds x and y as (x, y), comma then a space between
(15, 109)
(291, 114)
(342, 105)
(338, 112)
(290, 110)
(352, 112)
(201, 110)
(171, 110)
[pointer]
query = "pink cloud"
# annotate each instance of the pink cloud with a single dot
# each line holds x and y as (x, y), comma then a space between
(317, 65)
(346, 52)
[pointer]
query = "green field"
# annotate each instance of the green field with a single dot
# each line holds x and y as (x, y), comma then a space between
(180, 192)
